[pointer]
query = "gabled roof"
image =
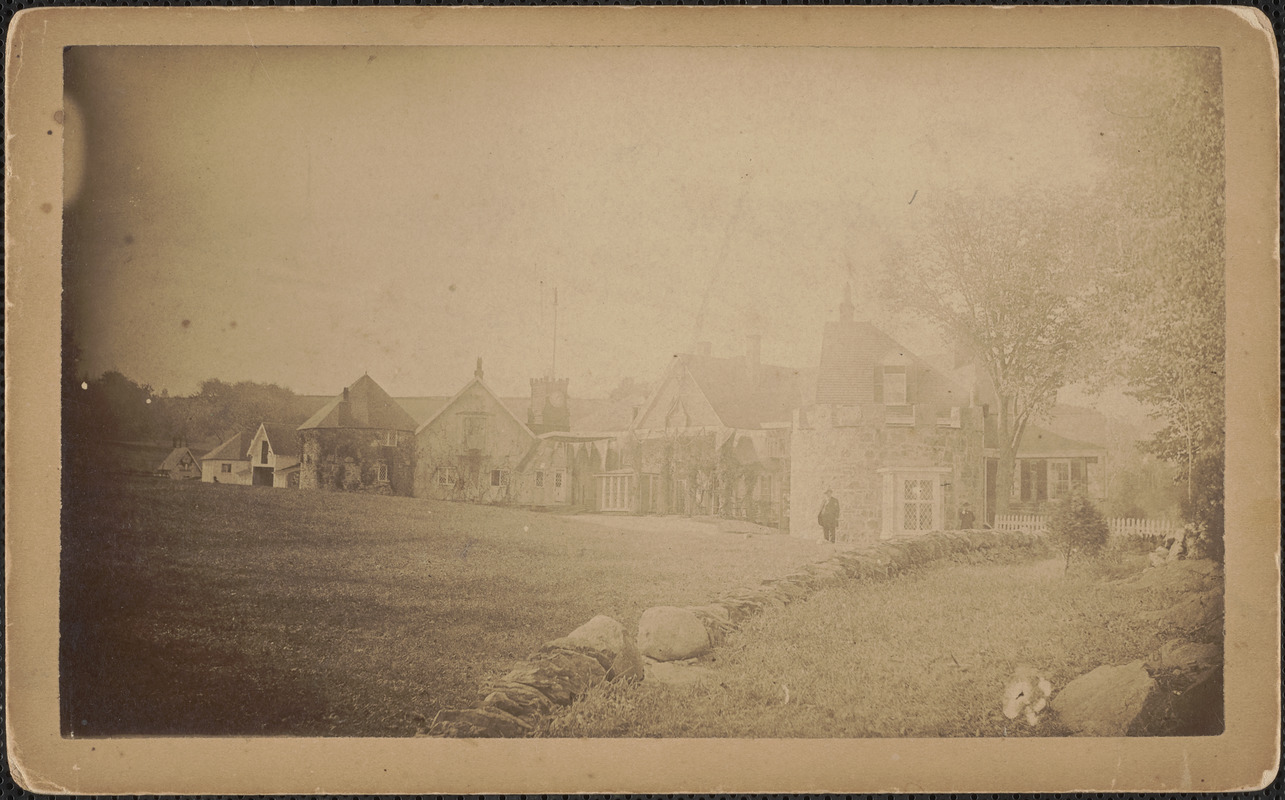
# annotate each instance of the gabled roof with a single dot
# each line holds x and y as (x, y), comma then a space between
(236, 448)
(479, 382)
(742, 395)
(1040, 442)
(176, 455)
(284, 439)
(850, 352)
(366, 405)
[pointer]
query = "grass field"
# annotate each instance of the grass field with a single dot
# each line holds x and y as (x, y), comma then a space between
(924, 655)
(193, 608)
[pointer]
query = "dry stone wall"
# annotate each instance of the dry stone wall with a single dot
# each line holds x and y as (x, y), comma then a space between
(602, 650)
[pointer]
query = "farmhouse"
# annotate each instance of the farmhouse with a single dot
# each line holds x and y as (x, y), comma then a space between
(229, 462)
(180, 465)
(360, 441)
(899, 444)
(713, 438)
(1049, 466)
(274, 456)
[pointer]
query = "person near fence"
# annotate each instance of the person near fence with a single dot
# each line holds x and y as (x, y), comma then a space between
(828, 517)
(967, 520)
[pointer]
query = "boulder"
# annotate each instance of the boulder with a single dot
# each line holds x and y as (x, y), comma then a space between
(1195, 612)
(560, 676)
(606, 641)
(517, 699)
(1104, 702)
(1184, 656)
(716, 619)
(666, 633)
(477, 723)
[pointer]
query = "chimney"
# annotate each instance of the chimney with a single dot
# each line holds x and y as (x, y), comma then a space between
(345, 394)
(703, 348)
(477, 373)
(753, 347)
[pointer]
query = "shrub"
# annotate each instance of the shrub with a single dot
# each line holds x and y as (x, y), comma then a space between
(1077, 528)
(1204, 511)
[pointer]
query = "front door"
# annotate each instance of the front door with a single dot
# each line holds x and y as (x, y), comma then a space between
(560, 486)
(262, 476)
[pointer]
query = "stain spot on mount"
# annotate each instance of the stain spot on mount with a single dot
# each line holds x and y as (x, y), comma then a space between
(232, 324)
(451, 287)
(129, 238)
(59, 116)
(187, 323)
(46, 207)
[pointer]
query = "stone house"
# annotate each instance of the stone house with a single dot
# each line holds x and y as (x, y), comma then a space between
(899, 444)
(360, 441)
(274, 456)
(180, 465)
(229, 462)
(713, 438)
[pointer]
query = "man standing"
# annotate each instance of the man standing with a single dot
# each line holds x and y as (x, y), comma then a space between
(967, 520)
(829, 516)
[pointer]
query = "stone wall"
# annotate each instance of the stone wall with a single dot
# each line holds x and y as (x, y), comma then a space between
(842, 448)
(348, 459)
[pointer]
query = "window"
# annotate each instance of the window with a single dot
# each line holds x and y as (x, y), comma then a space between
(446, 477)
(263, 452)
(499, 477)
(382, 472)
(894, 386)
(225, 468)
(557, 480)
(1035, 480)
(912, 500)
(539, 480)
(917, 504)
(1059, 478)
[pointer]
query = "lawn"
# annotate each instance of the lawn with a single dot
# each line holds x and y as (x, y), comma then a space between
(192, 608)
(927, 654)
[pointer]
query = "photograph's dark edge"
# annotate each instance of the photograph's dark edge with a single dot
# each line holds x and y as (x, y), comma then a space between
(350, 448)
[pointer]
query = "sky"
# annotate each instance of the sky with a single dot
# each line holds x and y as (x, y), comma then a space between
(302, 215)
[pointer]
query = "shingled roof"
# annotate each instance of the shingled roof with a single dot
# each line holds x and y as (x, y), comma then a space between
(851, 351)
(1040, 442)
(745, 397)
(235, 448)
(363, 405)
(283, 438)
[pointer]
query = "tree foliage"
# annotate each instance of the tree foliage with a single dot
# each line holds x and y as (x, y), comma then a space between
(1164, 140)
(1002, 278)
(1076, 528)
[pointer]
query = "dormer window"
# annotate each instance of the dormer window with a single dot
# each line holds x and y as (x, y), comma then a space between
(894, 386)
(263, 452)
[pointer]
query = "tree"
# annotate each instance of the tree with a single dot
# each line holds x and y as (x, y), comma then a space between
(1163, 138)
(1077, 528)
(1002, 278)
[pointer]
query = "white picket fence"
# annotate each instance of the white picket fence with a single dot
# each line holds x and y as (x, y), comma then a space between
(1037, 523)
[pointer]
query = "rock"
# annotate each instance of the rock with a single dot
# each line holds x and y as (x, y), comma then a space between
(606, 641)
(1104, 702)
(477, 723)
(666, 633)
(517, 699)
(1156, 559)
(1185, 656)
(1195, 612)
(672, 673)
(561, 676)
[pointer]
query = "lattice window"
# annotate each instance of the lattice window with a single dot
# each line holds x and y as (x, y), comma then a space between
(917, 505)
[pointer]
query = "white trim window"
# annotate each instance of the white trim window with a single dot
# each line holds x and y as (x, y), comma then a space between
(381, 472)
(913, 500)
(499, 477)
(1059, 478)
(539, 480)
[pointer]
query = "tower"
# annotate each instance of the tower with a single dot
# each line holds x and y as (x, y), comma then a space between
(549, 410)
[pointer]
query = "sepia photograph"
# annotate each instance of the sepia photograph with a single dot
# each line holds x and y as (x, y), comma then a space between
(586, 391)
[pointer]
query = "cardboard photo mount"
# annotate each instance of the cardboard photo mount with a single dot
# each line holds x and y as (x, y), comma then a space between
(1244, 757)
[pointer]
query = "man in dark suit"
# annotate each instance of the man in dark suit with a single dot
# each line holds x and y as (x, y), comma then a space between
(828, 518)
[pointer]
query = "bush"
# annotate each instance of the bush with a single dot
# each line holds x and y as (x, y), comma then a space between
(1204, 511)
(1077, 528)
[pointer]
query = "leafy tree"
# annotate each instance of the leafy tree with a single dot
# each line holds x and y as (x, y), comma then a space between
(1077, 528)
(1003, 278)
(1162, 134)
